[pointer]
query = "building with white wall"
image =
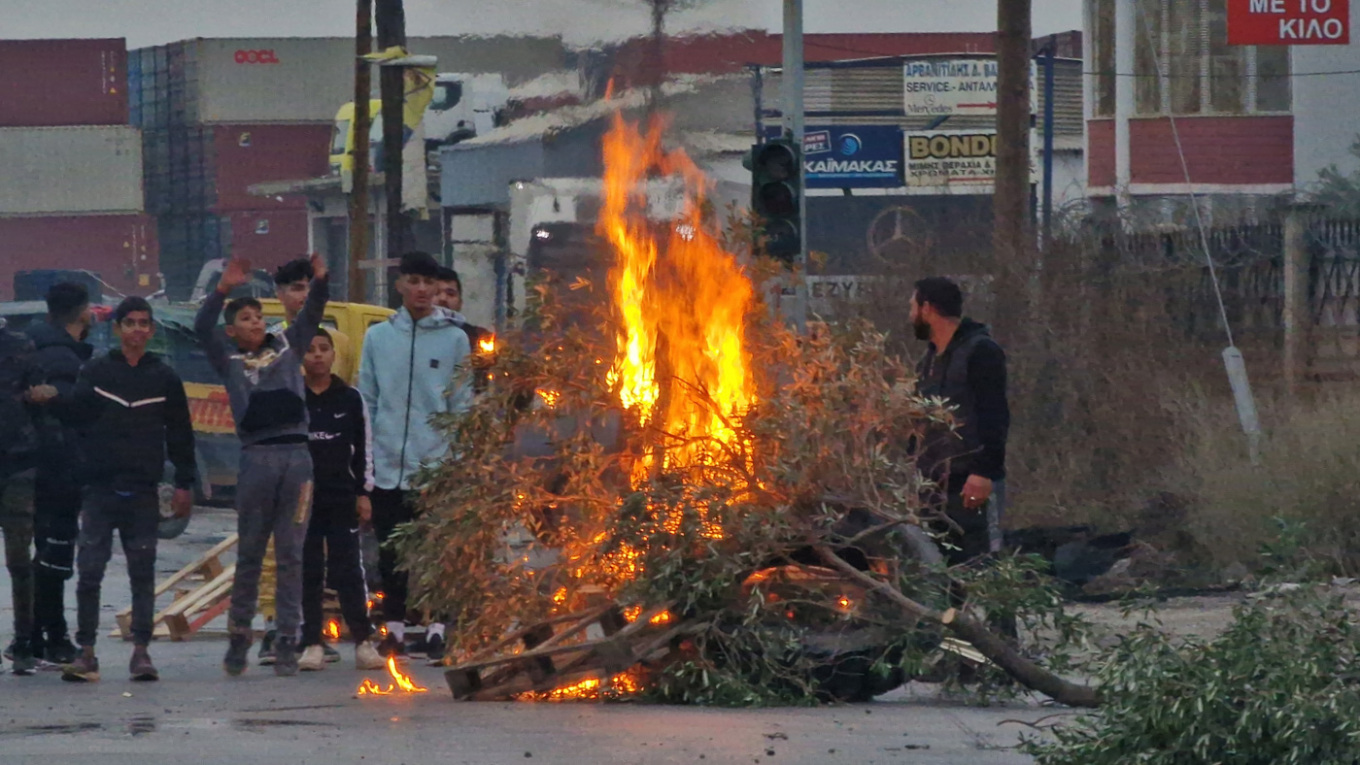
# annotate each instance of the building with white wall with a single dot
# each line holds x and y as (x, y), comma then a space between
(1173, 109)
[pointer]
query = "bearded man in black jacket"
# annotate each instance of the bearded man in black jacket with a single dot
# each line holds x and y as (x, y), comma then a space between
(967, 368)
(134, 413)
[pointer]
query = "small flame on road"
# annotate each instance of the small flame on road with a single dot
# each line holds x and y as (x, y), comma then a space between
(487, 344)
(401, 682)
(333, 629)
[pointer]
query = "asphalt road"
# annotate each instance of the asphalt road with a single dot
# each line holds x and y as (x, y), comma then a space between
(197, 715)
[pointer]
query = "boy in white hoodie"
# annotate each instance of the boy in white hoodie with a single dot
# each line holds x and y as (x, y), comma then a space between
(410, 370)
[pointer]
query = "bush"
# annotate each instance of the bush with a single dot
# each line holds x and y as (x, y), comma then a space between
(1279, 686)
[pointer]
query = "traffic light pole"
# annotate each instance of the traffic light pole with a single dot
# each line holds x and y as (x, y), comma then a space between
(792, 81)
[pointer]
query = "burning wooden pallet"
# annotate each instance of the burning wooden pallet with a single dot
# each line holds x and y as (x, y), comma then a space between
(193, 606)
(547, 655)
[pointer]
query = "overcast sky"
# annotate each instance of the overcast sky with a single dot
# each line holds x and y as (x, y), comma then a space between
(153, 22)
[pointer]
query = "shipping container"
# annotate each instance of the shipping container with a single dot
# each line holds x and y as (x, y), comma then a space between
(70, 170)
(63, 82)
(245, 155)
(202, 169)
(267, 238)
(298, 80)
(121, 250)
(186, 243)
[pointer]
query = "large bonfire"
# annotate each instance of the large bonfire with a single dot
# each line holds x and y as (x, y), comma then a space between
(656, 441)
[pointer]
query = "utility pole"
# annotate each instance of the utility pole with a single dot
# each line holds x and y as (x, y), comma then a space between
(657, 54)
(391, 18)
(359, 197)
(1011, 235)
(792, 81)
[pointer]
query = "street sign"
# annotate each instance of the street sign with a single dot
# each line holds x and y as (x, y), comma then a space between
(850, 156)
(1289, 22)
(955, 87)
(954, 161)
(946, 87)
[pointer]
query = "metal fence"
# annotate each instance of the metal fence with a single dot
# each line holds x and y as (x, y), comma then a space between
(1249, 261)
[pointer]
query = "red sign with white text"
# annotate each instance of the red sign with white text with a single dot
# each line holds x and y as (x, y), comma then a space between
(1289, 22)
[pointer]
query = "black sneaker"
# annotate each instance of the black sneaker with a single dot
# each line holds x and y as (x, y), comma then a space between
(267, 655)
(60, 651)
(286, 657)
(390, 646)
(434, 650)
(238, 654)
(21, 655)
(332, 655)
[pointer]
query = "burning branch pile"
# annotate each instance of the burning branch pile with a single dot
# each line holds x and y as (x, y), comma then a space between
(654, 437)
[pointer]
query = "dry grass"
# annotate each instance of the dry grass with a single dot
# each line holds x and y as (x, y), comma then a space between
(1309, 474)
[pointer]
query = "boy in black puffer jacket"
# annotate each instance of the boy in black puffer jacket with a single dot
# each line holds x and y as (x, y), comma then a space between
(59, 351)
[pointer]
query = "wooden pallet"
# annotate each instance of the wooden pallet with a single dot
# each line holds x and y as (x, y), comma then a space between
(548, 655)
(202, 592)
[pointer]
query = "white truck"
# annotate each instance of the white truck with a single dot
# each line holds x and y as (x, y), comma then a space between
(463, 106)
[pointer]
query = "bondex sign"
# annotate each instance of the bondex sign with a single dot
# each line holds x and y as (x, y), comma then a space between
(256, 57)
(1289, 22)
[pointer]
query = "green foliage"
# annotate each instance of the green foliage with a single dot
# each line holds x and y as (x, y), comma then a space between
(1278, 687)
(1338, 192)
(1288, 555)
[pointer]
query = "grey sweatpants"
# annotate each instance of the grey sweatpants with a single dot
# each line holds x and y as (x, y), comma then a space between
(273, 496)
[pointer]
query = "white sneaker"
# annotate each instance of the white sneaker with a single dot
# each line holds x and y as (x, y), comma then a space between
(313, 659)
(367, 657)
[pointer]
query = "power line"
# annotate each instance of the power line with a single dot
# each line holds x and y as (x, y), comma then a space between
(1199, 75)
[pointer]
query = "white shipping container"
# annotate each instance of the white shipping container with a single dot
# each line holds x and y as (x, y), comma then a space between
(295, 79)
(66, 170)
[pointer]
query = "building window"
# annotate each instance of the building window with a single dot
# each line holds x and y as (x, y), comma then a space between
(1182, 50)
(1272, 79)
(1199, 72)
(1147, 85)
(1101, 24)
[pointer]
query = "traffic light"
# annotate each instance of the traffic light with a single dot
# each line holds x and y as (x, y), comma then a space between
(776, 189)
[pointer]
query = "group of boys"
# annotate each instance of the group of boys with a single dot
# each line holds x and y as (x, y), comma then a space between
(318, 458)
(86, 444)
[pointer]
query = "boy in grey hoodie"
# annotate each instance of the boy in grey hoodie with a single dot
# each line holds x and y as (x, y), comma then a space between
(263, 377)
(411, 368)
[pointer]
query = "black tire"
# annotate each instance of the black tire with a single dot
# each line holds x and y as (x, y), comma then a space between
(858, 664)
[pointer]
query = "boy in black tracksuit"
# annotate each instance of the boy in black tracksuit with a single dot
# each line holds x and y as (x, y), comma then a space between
(343, 470)
(134, 414)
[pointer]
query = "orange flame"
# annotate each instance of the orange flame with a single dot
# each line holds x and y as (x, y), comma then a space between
(333, 629)
(487, 344)
(549, 396)
(590, 689)
(401, 682)
(681, 285)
